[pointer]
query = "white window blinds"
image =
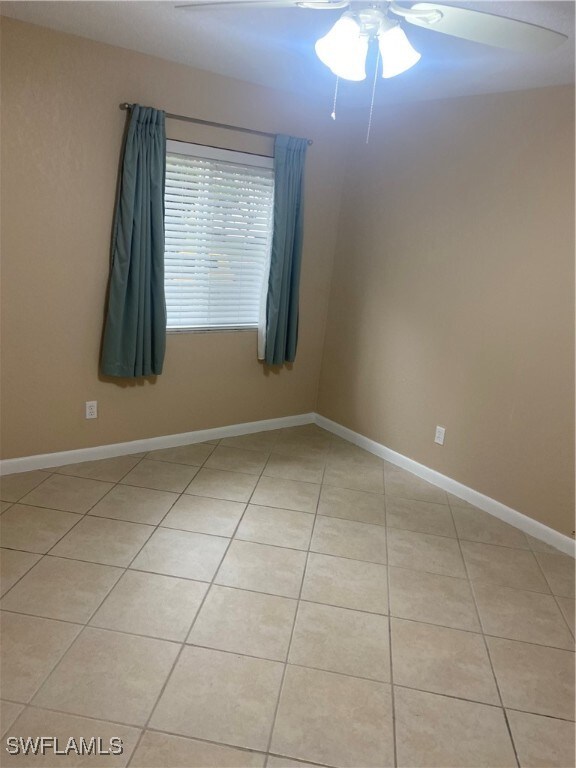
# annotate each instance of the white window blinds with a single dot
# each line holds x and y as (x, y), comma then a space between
(218, 233)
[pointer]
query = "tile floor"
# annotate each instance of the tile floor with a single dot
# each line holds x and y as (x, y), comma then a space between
(279, 599)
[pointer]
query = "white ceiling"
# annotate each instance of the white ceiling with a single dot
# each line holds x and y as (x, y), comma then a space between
(275, 46)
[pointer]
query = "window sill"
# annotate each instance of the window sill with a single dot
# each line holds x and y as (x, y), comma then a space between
(231, 329)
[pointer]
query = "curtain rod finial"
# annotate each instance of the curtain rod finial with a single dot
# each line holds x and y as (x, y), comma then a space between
(125, 105)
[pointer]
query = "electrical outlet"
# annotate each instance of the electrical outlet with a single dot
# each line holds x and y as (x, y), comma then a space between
(439, 436)
(91, 409)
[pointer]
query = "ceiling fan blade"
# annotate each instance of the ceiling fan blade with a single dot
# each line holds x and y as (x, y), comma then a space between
(481, 27)
(315, 4)
(236, 4)
(320, 5)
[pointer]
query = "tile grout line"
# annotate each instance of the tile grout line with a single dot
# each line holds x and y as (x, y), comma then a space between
(124, 568)
(199, 738)
(262, 544)
(286, 663)
(47, 472)
(391, 660)
(127, 567)
(272, 594)
(528, 548)
(193, 622)
(487, 649)
(269, 658)
(81, 516)
(570, 629)
(234, 535)
(186, 493)
(296, 612)
(18, 580)
(83, 627)
(291, 455)
(134, 727)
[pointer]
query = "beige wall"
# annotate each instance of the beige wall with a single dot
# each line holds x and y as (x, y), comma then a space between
(61, 139)
(452, 292)
(453, 295)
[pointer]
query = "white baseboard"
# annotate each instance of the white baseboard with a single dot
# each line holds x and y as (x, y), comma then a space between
(60, 459)
(493, 507)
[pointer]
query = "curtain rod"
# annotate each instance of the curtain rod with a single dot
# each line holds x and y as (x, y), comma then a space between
(126, 106)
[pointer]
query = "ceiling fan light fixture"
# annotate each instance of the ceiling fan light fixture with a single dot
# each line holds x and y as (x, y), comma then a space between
(396, 52)
(344, 49)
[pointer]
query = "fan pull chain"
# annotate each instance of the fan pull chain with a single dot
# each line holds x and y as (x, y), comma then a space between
(333, 115)
(373, 95)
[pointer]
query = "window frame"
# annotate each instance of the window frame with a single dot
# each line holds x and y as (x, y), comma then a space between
(206, 151)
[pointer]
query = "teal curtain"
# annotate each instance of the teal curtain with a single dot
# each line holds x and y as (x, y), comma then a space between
(135, 331)
(284, 278)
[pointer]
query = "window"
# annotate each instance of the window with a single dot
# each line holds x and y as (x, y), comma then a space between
(218, 235)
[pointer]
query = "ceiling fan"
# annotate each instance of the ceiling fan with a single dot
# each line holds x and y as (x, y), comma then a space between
(344, 48)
